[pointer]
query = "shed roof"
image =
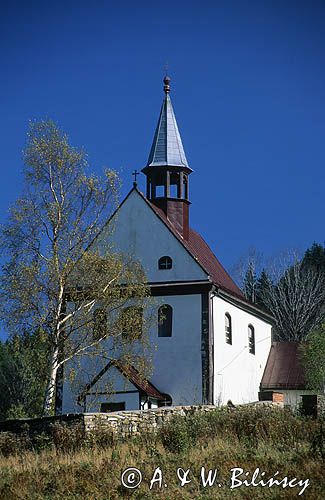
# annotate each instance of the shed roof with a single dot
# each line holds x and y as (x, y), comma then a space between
(284, 369)
(141, 383)
(132, 374)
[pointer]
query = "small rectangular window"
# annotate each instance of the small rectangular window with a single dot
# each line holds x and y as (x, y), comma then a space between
(108, 407)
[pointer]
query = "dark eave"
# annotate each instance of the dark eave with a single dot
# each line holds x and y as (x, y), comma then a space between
(180, 287)
(245, 305)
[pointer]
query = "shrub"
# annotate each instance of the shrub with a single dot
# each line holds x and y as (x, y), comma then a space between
(318, 440)
(42, 441)
(175, 435)
(67, 438)
(248, 425)
(100, 436)
(13, 444)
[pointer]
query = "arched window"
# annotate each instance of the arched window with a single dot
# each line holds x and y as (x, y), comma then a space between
(228, 329)
(165, 321)
(99, 324)
(251, 339)
(165, 262)
(131, 322)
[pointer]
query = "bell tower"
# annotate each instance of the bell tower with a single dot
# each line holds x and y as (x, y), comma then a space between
(167, 170)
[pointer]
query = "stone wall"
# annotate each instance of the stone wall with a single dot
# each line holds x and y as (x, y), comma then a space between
(320, 406)
(129, 423)
(43, 424)
(121, 423)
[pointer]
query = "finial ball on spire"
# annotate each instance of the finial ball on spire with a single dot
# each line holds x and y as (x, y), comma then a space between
(167, 84)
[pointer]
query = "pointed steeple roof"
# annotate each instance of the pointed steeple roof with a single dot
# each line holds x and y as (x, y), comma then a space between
(167, 148)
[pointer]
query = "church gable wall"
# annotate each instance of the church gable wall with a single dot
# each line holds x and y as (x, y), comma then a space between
(139, 232)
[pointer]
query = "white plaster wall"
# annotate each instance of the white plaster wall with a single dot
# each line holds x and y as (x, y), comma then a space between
(69, 403)
(176, 360)
(145, 405)
(139, 232)
(177, 367)
(112, 379)
(238, 373)
(131, 401)
(113, 376)
(293, 398)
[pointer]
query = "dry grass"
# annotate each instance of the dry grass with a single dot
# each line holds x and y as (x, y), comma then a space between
(95, 473)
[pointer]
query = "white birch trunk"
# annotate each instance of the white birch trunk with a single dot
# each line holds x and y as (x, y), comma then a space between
(51, 385)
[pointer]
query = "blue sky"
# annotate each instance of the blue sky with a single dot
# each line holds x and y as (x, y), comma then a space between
(248, 89)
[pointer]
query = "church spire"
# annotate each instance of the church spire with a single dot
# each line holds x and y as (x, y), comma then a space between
(167, 169)
(167, 147)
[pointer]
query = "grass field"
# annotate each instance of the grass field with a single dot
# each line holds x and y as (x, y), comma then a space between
(247, 438)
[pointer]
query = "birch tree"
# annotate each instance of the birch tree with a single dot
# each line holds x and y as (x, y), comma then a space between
(54, 276)
(252, 260)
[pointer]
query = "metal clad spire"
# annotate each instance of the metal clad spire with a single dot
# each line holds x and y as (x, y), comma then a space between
(167, 148)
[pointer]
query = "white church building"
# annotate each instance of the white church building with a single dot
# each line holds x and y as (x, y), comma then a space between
(213, 344)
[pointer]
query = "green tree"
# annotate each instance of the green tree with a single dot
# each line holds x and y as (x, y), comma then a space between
(23, 374)
(7, 380)
(315, 257)
(250, 283)
(313, 354)
(263, 286)
(55, 275)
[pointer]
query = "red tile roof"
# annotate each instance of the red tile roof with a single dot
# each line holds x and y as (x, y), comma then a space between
(141, 383)
(284, 368)
(132, 374)
(201, 252)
